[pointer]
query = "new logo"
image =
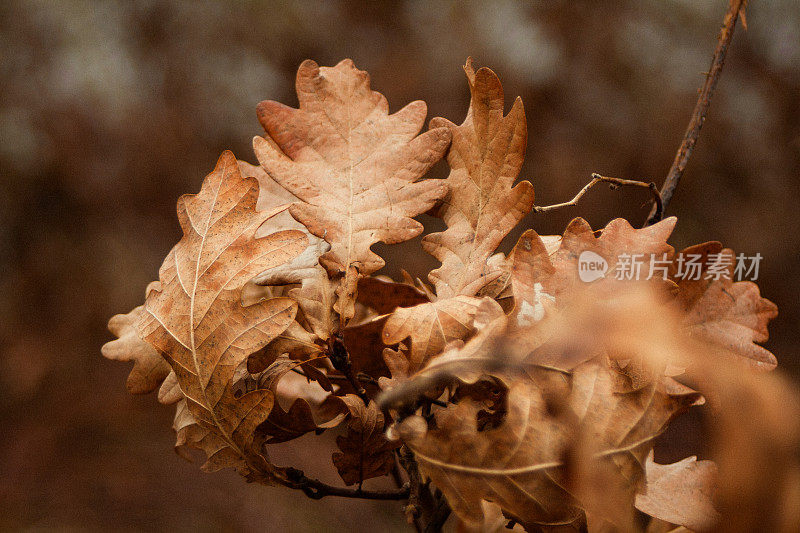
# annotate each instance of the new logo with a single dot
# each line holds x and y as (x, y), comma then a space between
(591, 266)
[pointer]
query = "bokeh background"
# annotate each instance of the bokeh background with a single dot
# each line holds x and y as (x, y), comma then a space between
(109, 110)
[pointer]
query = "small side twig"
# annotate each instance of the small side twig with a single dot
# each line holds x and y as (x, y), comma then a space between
(735, 7)
(614, 182)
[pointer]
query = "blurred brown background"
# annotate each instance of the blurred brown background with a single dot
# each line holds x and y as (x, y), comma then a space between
(109, 110)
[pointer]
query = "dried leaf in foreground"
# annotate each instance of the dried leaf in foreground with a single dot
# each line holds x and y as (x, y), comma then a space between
(196, 319)
(520, 464)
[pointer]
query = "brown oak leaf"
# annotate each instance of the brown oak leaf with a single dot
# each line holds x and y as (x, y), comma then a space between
(365, 451)
(730, 314)
(431, 326)
(680, 493)
(197, 321)
(353, 166)
(521, 464)
(617, 244)
(272, 196)
(149, 368)
(481, 206)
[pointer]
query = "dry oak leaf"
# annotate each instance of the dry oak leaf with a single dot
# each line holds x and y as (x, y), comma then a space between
(484, 351)
(431, 326)
(680, 493)
(617, 241)
(481, 206)
(546, 282)
(729, 314)
(149, 368)
(384, 296)
(519, 464)
(271, 196)
(170, 391)
(308, 406)
(365, 451)
(500, 289)
(189, 435)
(307, 335)
(197, 322)
(353, 166)
(315, 296)
(542, 268)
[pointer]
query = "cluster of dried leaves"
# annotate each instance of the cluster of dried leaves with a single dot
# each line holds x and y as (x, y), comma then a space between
(508, 390)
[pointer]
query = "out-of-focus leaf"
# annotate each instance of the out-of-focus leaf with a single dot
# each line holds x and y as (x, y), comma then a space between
(680, 493)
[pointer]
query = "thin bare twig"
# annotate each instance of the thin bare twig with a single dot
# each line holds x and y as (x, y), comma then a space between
(614, 182)
(361, 376)
(700, 109)
(315, 489)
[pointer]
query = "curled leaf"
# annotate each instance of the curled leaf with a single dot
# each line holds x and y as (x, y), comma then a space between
(301, 406)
